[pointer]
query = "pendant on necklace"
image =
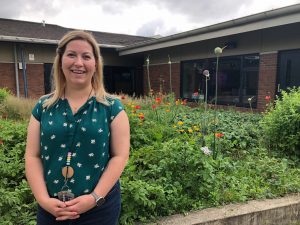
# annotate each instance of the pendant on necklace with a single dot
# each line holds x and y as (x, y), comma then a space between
(67, 172)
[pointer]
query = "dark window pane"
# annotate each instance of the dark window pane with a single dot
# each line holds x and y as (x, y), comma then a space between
(237, 79)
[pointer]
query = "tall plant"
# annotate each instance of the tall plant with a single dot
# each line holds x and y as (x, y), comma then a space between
(206, 74)
(148, 74)
(170, 71)
(218, 52)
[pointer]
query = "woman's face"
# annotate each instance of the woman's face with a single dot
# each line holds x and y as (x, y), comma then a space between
(78, 63)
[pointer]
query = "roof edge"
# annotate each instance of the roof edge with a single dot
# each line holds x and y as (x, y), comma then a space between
(46, 41)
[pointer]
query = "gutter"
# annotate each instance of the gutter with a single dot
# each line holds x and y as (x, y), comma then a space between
(16, 70)
(24, 72)
(46, 41)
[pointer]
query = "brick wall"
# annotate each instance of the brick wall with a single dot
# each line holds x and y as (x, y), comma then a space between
(35, 79)
(7, 76)
(160, 75)
(267, 78)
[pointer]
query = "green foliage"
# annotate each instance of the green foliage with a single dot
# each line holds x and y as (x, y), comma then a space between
(4, 93)
(17, 205)
(168, 172)
(281, 124)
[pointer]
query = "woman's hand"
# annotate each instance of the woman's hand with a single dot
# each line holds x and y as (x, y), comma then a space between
(59, 209)
(78, 205)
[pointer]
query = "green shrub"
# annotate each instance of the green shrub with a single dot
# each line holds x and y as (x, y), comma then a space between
(17, 204)
(4, 93)
(281, 124)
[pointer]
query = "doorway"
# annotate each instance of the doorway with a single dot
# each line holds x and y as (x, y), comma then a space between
(289, 70)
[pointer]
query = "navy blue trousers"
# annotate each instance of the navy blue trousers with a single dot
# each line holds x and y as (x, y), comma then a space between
(106, 214)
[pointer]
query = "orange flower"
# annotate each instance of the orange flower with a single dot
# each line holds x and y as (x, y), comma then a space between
(219, 135)
(158, 100)
(141, 116)
(184, 102)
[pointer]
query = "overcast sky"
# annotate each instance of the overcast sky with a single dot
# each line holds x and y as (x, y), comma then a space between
(136, 17)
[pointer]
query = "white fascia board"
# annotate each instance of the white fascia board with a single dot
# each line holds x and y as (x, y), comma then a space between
(45, 41)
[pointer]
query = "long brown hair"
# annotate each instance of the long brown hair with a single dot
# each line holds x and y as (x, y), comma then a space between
(59, 81)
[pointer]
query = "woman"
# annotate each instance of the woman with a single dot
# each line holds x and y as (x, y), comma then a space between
(78, 140)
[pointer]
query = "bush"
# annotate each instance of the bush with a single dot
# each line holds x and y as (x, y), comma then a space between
(17, 205)
(3, 94)
(281, 124)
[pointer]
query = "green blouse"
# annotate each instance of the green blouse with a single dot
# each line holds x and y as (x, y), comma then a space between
(88, 130)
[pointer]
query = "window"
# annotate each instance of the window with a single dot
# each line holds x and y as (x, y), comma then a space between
(237, 80)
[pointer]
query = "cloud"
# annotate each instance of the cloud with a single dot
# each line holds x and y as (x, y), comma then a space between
(151, 28)
(140, 17)
(10, 9)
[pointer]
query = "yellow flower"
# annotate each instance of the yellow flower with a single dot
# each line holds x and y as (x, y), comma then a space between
(190, 130)
(180, 123)
(167, 110)
(196, 128)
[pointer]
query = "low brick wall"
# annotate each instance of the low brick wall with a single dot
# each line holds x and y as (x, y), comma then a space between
(282, 211)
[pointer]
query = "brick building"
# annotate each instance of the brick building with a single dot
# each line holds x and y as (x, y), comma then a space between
(27, 52)
(262, 57)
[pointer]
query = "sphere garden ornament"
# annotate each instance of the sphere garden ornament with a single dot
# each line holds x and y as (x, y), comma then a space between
(219, 51)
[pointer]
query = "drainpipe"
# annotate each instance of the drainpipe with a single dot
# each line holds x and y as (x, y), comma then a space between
(24, 73)
(16, 71)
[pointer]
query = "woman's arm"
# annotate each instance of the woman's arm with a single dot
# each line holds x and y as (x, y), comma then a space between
(33, 164)
(34, 173)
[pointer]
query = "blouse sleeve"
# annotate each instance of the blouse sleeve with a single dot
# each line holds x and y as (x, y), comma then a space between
(38, 109)
(115, 108)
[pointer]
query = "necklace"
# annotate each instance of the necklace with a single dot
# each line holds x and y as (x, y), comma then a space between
(75, 108)
(67, 171)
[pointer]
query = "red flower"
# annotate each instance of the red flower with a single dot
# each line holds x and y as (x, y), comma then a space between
(138, 107)
(219, 135)
(158, 100)
(153, 106)
(141, 117)
(268, 98)
(122, 97)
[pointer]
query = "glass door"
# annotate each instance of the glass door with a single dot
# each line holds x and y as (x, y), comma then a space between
(289, 70)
